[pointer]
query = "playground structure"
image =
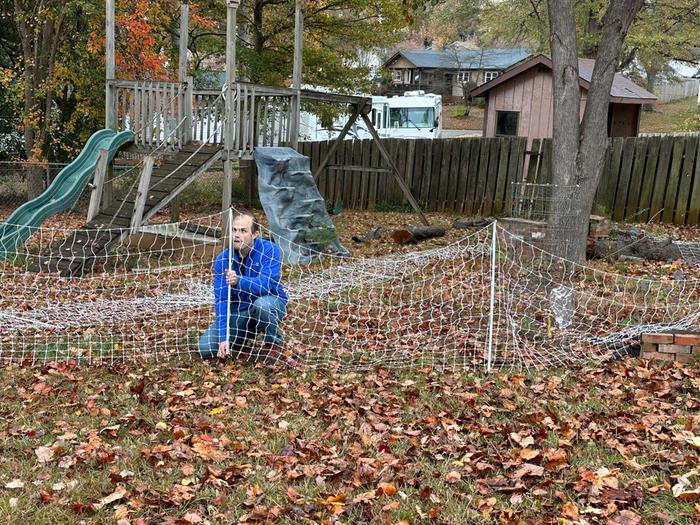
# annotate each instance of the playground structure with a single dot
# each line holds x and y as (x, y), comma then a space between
(177, 133)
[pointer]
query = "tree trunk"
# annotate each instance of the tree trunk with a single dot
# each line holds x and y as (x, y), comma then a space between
(578, 151)
(40, 38)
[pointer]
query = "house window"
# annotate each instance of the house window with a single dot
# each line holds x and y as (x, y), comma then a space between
(507, 123)
(396, 76)
(464, 76)
(490, 75)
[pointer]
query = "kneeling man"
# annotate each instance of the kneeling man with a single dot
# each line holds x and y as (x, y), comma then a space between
(258, 299)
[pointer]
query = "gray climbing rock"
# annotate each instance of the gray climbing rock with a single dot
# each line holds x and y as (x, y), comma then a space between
(295, 210)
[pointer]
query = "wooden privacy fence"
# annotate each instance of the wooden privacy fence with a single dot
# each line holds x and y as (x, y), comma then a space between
(466, 175)
(645, 178)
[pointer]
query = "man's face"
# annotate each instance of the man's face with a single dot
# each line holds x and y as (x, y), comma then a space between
(243, 235)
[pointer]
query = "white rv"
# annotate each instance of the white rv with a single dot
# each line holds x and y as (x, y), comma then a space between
(413, 115)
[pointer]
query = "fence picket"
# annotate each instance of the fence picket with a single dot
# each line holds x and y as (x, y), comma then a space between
(686, 178)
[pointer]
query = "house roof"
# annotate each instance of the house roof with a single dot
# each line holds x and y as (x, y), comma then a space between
(623, 90)
(462, 58)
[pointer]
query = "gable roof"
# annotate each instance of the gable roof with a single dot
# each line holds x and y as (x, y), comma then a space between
(462, 59)
(623, 90)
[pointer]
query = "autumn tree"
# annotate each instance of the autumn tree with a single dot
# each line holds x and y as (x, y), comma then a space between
(39, 27)
(52, 59)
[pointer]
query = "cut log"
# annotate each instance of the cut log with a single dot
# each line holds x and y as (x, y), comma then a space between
(471, 223)
(634, 243)
(415, 234)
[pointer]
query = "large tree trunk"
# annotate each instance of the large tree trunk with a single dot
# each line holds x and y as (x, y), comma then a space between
(578, 151)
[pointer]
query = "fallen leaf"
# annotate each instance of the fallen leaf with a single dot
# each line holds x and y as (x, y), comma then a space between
(453, 476)
(682, 490)
(44, 454)
(387, 489)
(14, 484)
(528, 469)
(118, 494)
(626, 517)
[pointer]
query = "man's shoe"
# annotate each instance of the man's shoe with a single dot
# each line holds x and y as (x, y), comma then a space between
(274, 355)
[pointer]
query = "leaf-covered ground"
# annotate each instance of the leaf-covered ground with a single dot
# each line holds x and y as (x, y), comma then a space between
(189, 443)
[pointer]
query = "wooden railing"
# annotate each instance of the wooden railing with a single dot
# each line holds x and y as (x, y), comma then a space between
(261, 116)
(171, 114)
(159, 113)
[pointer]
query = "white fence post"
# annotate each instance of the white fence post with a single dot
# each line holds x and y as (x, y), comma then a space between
(492, 298)
(229, 231)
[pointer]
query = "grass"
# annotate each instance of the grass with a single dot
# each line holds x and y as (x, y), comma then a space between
(668, 117)
(230, 443)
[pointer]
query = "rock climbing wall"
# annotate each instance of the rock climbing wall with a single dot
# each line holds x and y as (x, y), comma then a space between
(295, 210)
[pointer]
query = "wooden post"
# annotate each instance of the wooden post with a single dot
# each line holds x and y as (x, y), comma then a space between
(296, 72)
(110, 69)
(394, 169)
(189, 95)
(231, 7)
(184, 36)
(185, 90)
(142, 193)
(98, 184)
(175, 209)
(248, 171)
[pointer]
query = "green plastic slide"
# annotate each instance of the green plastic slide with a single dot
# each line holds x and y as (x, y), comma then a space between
(63, 191)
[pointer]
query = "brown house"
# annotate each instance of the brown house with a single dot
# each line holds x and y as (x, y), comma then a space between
(519, 101)
(446, 72)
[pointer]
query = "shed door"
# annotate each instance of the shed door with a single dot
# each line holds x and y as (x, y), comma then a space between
(623, 120)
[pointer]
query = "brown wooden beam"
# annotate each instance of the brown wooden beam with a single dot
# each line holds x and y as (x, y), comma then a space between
(334, 146)
(395, 170)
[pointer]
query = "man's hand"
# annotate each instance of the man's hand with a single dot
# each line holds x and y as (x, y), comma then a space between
(223, 350)
(231, 278)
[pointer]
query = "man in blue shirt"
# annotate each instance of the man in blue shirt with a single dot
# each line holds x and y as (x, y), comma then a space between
(258, 301)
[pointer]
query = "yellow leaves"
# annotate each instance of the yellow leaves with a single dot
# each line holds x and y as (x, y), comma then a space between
(337, 500)
(527, 454)
(217, 410)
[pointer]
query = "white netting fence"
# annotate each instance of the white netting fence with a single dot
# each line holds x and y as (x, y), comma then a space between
(457, 306)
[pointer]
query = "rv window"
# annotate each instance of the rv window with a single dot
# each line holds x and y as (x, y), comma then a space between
(411, 117)
(507, 122)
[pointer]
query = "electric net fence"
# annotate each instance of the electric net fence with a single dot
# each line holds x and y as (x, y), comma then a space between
(489, 300)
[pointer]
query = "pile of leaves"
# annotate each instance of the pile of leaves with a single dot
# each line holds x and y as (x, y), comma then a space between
(228, 443)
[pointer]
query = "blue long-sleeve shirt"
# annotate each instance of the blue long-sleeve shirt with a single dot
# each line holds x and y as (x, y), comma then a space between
(258, 275)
